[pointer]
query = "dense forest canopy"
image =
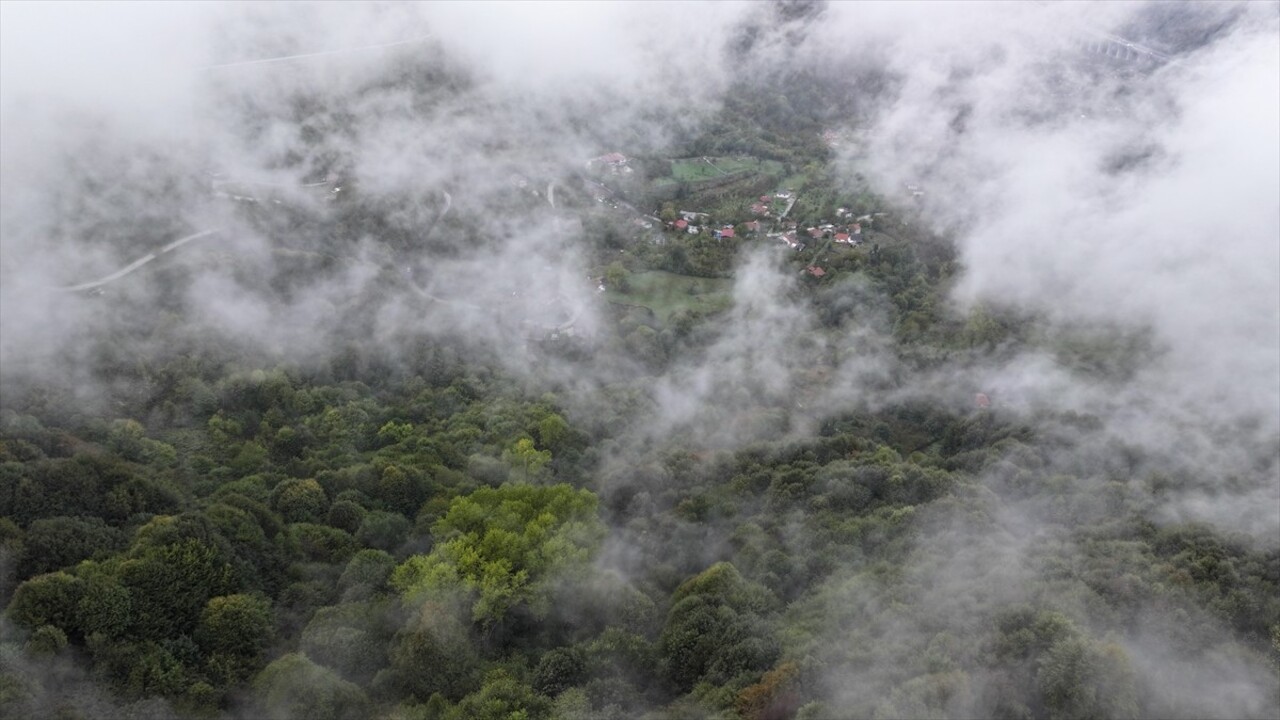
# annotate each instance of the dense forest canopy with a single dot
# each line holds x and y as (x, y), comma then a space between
(691, 360)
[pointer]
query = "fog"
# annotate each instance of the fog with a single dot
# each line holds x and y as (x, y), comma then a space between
(1104, 200)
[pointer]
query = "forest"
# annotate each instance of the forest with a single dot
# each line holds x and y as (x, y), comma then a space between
(335, 465)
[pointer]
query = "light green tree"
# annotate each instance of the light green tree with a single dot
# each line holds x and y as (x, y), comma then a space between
(499, 544)
(524, 454)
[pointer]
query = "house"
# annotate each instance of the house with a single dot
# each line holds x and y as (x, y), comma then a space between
(842, 237)
(981, 400)
(682, 224)
(760, 209)
(693, 216)
(693, 230)
(815, 233)
(616, 162)
(815, 271)
(765, 198)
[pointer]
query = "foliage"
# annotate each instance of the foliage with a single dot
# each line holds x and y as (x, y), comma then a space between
(501, 544)
(411, 529)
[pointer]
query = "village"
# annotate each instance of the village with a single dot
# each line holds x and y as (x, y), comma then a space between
(767, 217)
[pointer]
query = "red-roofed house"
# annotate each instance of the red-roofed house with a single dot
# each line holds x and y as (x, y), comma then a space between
(815, 232)
(765, 198)
(727, 232)
(842, 237)
(816, 271)
(682, 224)
(760, 209)
(753, 226)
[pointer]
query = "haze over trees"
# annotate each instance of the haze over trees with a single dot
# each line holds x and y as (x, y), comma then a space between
(452, 415)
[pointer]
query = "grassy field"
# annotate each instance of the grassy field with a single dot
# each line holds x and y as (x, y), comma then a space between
(664, 293)
(793, 182)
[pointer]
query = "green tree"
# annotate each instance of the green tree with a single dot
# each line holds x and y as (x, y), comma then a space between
(46, 640)
(352, 638)
(51, 599)
(502, 698)
(499, 544)
(346, 515)
(54, 543)
(524, 454)
(383, 530)
(617, 278)
(434, 653)
(558, 670)
(366, 574)
(716, 629)
(299, 500)
(295, 687)
(169, 585)
(233, 632)
(106, 607)
(321, 543)
(552, 431)
(1079, 679)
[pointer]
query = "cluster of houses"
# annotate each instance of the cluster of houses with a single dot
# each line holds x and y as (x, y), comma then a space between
(844, 234)
(614, 163)
(846, 231)
(762, 206)
(719, 233)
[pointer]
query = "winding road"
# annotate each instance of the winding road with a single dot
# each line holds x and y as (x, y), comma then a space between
(137, 263)
(448, 204)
